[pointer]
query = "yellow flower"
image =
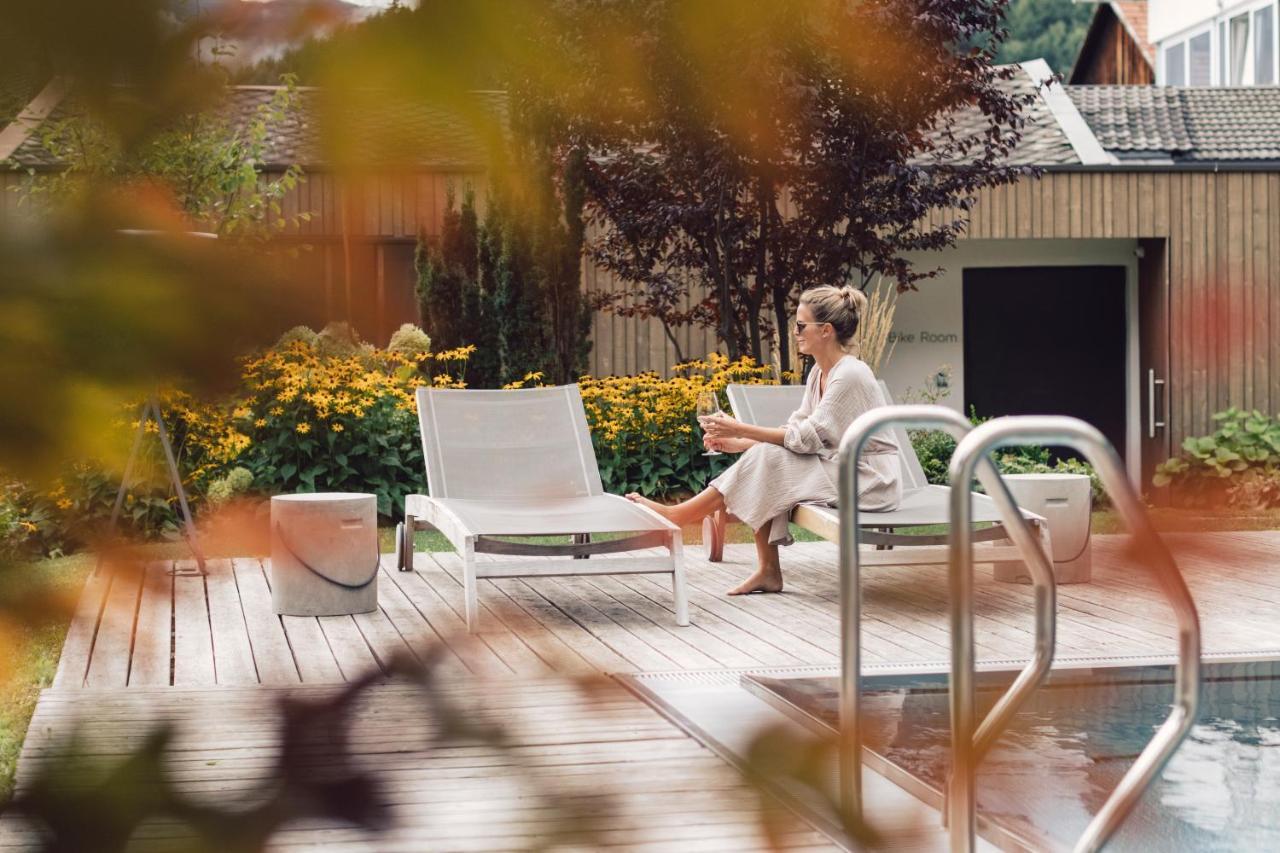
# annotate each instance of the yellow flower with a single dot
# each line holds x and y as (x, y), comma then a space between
(276, 411)
(303, 428)
(29, 526)
(337, 427)
(260, 423)
(64, 503)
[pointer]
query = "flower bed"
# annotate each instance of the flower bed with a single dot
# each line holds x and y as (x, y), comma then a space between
(326, 412)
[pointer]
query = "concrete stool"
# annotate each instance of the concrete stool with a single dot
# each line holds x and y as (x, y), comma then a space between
(324, 554)
(1065, 501)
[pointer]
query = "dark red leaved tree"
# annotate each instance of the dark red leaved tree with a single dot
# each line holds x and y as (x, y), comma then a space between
(740, 153)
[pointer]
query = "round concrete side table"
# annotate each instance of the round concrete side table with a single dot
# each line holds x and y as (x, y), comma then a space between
(1065, 501)
(324, 553)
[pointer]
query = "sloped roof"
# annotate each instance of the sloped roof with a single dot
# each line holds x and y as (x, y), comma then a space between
(1043, 141)
(1131, 17)
(400, 132)
(1183, 124)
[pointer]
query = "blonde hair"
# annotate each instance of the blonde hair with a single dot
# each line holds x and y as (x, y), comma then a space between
(842, 307)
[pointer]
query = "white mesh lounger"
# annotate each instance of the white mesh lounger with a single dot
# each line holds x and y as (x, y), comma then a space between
(922, 504)
(517, 464)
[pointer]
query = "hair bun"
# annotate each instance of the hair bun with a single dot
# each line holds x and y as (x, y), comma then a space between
(854, 298)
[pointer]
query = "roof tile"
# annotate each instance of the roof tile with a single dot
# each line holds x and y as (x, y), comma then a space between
(1185, 124)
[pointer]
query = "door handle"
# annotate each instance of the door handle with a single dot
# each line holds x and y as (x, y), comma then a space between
(1152, 423)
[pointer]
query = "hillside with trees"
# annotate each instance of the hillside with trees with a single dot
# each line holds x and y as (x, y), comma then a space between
(1052, 30)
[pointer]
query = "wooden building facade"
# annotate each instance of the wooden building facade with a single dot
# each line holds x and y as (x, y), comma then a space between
(1115, 48)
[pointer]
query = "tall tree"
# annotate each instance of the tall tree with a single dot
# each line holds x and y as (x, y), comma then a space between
(744, 152)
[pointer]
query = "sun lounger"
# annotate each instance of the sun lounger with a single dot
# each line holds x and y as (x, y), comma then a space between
(506, 464)
(922, 504)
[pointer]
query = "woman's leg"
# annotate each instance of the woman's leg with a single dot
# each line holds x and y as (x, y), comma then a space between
(687, 512)
(768, 574)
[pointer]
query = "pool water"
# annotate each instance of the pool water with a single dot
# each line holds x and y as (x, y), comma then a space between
(1069, 746)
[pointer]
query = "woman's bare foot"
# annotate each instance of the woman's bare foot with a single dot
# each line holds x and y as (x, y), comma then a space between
(764, 580)
(661, 509)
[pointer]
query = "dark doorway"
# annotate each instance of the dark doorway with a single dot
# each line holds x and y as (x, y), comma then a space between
(1047, 340)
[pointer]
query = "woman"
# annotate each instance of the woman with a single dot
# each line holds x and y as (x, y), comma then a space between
(796, 463)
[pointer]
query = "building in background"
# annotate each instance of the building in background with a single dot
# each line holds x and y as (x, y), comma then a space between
(1115, 48)
(1214, 42)
(1133, 283)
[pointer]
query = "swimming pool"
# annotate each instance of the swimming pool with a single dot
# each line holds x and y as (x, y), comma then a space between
(1067, 749)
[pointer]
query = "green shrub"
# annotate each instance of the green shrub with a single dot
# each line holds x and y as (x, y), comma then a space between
(1238, 464)
(410, 342)
(236, 482)
(67, 515)
(934, 449)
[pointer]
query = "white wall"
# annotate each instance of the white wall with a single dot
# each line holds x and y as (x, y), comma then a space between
(1169, 17)
(930, 321)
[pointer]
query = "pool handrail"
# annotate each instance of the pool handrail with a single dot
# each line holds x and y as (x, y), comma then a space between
(1041, 569)
(970, 457)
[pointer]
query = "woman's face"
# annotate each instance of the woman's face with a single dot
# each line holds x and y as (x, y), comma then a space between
(808, 332)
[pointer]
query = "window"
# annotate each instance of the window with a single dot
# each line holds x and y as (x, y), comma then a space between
(1175, 65)
(1239, 50)
(1199, 60)
(1264, 46)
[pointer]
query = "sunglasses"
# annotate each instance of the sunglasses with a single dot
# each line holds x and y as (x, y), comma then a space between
(800, 325)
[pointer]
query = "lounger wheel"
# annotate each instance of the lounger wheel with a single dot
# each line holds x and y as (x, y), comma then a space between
(713, 530)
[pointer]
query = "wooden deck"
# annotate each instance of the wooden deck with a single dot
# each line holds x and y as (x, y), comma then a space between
(210, 653)
(594, 769)
(183, 630)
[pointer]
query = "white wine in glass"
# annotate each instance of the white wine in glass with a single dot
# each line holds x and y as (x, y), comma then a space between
(708, 405)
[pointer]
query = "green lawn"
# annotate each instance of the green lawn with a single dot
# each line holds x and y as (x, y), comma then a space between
(29, 655)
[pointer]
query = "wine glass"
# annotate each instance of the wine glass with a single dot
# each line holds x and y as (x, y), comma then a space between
(708, 405)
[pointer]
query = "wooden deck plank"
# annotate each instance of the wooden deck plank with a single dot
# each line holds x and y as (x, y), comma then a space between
(717, 651)
(655, 636)
(153, 638)
(638, 654)
(672, 794)
(232, 653)
(492, 631)
(806, 607)
(73, 663)
(557, 623)
(270, 647)
(382, 637)
(109, 664)
(415, 631)
(350, 650)
(315, 660)
(762, 653)
(192, 639)
(441, 618)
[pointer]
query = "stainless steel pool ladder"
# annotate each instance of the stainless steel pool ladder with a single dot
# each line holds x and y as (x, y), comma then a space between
(970, 455)
(1017, 528)
(970, 745)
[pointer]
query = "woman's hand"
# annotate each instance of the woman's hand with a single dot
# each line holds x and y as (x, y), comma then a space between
(726, 445)
(721, 426)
